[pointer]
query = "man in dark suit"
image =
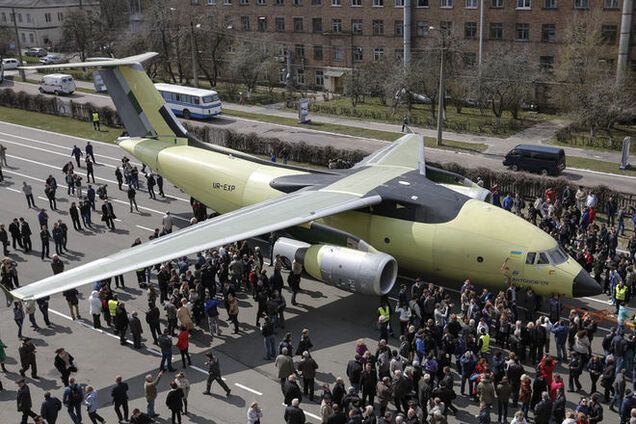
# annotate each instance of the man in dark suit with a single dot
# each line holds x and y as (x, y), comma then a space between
(25, 231)
(108, 214)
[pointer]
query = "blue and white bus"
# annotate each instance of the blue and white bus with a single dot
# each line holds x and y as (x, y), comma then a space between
(190, 102)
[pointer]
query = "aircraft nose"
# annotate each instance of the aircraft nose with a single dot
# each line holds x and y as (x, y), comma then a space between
(585, 285)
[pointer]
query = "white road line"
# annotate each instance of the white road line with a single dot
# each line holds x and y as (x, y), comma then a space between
(97, 178)
(63, 147)
(56, 134)
(113, 199)
(248, 389)
(43, 198)
(145, 228)
(13, 189)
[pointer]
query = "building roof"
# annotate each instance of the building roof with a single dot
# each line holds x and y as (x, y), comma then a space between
(45, 3)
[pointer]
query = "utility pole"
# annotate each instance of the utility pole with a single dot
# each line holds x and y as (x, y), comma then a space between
(17, 42)
(289, 78)
(195, 68)
(481, 33)
(440, 91)
(407, 34)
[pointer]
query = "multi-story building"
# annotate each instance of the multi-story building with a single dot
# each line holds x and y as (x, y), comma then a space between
(328, 37)
(39, 22)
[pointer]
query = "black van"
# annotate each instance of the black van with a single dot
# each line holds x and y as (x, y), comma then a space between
(546, 160)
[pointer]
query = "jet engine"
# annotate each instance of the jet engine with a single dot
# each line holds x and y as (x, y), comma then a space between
(370, 273)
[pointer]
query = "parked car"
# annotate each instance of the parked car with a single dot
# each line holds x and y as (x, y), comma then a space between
(546, 160)
(10, 64)
(57, 84)
(51, 59)
(36, 52)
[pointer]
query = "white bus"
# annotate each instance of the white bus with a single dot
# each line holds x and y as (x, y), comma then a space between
(190, 102)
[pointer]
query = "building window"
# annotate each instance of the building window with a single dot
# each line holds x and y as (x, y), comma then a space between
(317, 52)
(548, 33)
(336, 3)
(470, 4)
(446, 26)
(227, 2)
(194, 2)
(496, 31)
(609, 33)
(378, 53)
(47, 17)
(300, 76)
(581, 4)
(610, 4)
(422, 3)
(60, 16)
(524, 4)
(319, 78)
(522, 32)
(398, 27)
(23, 37)
(496, 3)
(262, 24)
(356, 3)
(357, 54)
(299, 50)
(297, 2)
(316, 24)
(546, 64)
(421, 28)
(336, 25)
(338, 54)
(378, 3)
(244, 2)
(260, 2)
(298, 24)
(447, 4)
(4, 17)
(316, 2)
(20, 18)
(280, 24)
(378, 27)
(470, 59)
(399, 3)
(470, 30)
(31, 38)
(356, 26)
(211, 2)
(279, 2)
(245, 23)
(549, 4)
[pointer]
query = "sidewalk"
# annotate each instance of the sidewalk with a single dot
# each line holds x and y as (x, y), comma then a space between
(541, 133)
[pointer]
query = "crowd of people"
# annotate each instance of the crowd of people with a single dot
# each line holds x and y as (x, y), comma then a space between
(493, 348)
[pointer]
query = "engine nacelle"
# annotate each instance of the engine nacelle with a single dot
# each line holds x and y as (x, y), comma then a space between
(369, 273)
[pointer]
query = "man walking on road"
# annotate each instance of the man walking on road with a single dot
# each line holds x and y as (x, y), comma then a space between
(75, 214)
(50, 408)
(131, 198)
(89, 152)
(108, 214)
(119, 393)
(89, 171)
(24, 401)
(214, 374)
(166, 351)
(72, 399)
(166, 221)
(14, 230)
(25, 231)
(28, 193)
(77, 154)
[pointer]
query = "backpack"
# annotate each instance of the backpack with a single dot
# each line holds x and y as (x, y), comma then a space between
(75, 396)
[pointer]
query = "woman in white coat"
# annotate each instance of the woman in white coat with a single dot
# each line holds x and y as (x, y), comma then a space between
(95, 308)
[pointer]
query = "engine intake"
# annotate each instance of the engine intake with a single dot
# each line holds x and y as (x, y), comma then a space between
(369, 273)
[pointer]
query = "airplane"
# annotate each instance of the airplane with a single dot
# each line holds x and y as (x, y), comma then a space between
(349, 228)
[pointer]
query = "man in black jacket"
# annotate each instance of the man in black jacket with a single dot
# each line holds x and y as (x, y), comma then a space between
(119, 393)
(14, 230)
(64, 364)
(25, 231)
(293, 413)
(154, 321)
(291, 390)
(543, 410)
(558, 406)
(24, 401)
(50, 408)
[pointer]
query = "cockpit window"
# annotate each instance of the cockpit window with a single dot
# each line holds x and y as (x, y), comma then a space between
(530, 258)
(557, 256)
(543, 259)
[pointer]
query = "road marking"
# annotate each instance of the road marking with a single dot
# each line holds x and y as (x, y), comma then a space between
(145, 228)
(248, 389)
(113, 199)
(43, 198)
(57, 134)
(13, 189)
(97, 178)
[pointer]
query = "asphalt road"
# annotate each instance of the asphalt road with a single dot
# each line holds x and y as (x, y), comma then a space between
(336, 318)
(622, 183)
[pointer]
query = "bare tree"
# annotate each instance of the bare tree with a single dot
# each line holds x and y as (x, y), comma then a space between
(212, 39)
(586, 76)
(6, 38)
(79, 32)
(247, 64)
(507, 79)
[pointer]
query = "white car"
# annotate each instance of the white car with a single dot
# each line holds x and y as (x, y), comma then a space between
(10, 64)
(52, 59)
(57, 84)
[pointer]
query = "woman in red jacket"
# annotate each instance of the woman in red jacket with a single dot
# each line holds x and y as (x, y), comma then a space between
(183, 344)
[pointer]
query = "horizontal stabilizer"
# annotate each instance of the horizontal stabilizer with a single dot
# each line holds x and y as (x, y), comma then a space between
(99, 63)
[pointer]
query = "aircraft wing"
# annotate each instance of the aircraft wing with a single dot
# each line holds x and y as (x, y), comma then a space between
(272, 215)
(404, 152)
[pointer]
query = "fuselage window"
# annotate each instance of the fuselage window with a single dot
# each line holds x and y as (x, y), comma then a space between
(530, 258)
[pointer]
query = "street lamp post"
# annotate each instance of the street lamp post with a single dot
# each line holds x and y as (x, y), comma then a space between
(440, 90)
(195, 67)
(17, 43)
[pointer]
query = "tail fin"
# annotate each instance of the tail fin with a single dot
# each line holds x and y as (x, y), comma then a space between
(140, 106)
